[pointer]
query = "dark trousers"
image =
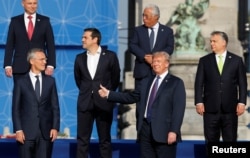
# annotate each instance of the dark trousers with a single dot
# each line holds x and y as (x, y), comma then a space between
(220, 124)
(85, 121)
(152, 149)
(37, 148)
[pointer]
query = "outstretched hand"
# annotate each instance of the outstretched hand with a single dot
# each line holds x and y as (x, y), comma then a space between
(103, 92)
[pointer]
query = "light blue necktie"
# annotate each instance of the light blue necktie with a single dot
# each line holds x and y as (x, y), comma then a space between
(220, 63)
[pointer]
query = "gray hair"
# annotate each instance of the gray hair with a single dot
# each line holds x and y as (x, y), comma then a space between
(162, 53)
(32, 52)
(155, 9)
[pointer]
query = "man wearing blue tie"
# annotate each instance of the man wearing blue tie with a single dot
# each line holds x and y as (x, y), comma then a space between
(35, 109)
(161, 106)
(148, 38)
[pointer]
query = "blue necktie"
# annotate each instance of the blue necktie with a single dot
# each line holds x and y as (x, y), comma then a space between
(37, 87)
(151, 38)
(152, 98)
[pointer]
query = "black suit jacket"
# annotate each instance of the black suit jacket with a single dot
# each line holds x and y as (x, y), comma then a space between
(139, 46)
(221, 92)
(107, 74)
(18, 43)
(167, 109)
(29, 113)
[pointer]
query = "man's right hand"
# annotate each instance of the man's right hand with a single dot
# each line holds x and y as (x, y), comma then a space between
(8, 72)
(148, 58)
(103, 92)
(20, 136)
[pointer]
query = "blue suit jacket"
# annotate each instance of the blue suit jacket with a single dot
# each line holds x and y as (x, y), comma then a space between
(139, 46)
(221, 92)
(167, 109)
(18, 43)
(29, 114)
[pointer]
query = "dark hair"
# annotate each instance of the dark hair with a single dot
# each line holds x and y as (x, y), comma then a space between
(222, 34)
(95, 33)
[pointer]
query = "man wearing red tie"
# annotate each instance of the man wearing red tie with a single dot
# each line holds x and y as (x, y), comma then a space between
(27, 31)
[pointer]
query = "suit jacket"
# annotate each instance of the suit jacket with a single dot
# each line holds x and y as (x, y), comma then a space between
(29, 113)
(18, 43)
(220, 92)
(167, 109)
(139, 46)
(107, 74)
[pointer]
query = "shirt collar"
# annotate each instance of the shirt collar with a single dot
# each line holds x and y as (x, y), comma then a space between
(34, 75)
(99, 50)
(163, 75)
(223, 54)
(155, 27)
(33, 15)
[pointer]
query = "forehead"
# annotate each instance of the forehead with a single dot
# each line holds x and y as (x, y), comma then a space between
(148, 11)
(87, 33)
(216, 37)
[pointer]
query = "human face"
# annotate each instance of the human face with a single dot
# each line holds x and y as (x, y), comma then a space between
(38, 62)
(218, 44)
(87, 41)
(30, 6)
(149, 19)
(160, 64)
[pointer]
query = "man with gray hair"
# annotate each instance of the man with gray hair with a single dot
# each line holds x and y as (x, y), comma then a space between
(146, 39)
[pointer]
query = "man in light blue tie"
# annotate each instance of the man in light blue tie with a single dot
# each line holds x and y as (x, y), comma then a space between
(220, 90)
(159, 134)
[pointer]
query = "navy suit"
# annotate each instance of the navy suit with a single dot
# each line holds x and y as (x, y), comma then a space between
(90, 106)
(18, 43)
(35, 117)
(167, 109)
(139, 46)
(221, 93)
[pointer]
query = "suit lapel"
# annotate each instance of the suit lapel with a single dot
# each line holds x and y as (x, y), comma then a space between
(37, 25)
(29, 85)
(226, 65)
(100, 63)
(159, 35)
(22, 26)
(163, 85)
(84, 64)
(146, 37)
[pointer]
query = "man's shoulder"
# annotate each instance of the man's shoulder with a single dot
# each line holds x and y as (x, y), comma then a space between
(17, 16)
(40, 16)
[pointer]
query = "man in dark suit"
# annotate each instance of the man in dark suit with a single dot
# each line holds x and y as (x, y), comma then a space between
(93, 67)
(159, 121)
(18, 42)
(220, 90)
(139, 43)
(35, 109)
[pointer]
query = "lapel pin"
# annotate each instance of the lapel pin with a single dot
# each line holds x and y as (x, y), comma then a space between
(38, 19)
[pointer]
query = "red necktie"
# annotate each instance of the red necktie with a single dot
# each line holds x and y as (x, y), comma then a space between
(30, 27)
